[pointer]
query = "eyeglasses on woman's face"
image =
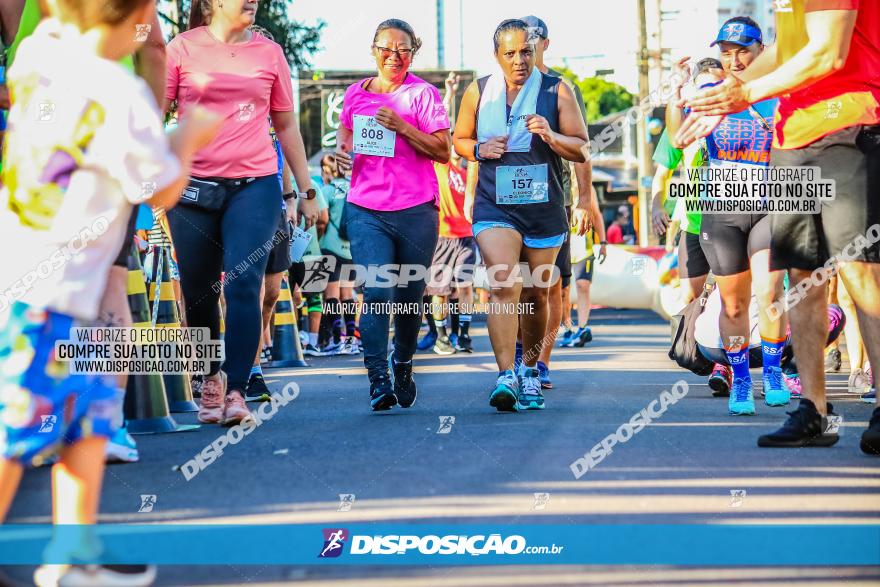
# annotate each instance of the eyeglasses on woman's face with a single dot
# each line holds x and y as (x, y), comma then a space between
(403, 53)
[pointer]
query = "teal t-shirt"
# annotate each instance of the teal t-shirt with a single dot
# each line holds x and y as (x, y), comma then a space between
(335, 194)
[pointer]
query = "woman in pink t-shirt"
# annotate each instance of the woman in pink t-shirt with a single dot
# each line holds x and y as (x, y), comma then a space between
(397, 126)
(228, 215)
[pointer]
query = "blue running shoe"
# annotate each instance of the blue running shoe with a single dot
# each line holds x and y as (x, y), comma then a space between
(741, 401)
(121, 448)
(530, 396)
(544, 375)
(503, 397)
(427, 341)
(776, 392)
(870, 397)
(517, 358)
(566, 338)
(453, 339)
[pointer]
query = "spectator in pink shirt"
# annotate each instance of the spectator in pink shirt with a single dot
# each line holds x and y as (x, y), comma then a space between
(228, 214)
(397, 126)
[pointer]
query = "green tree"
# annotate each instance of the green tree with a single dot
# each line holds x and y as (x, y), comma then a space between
(601, 97)
(298, 40)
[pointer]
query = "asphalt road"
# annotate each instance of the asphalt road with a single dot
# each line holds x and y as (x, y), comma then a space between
(487, 467)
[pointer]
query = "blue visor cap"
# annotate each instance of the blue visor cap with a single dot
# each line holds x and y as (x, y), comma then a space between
(739, 33)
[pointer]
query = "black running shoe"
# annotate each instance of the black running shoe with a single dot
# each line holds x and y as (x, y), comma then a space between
(382, 394)
(256, 389)
(404, 384)
(805, 427)
(464, 344)
(871, 437)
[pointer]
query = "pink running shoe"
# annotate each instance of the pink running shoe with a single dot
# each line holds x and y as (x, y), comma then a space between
(793, 383)
(213, 392)
(236, 409)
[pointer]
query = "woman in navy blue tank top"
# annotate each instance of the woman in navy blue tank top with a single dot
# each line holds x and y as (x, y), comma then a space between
(519, 213)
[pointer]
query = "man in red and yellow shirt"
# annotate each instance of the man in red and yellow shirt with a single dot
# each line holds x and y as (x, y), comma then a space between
(825, 69)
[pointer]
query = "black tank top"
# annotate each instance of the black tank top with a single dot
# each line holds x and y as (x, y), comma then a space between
(537, 220)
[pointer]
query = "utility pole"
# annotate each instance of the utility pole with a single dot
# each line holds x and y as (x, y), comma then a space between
(643, 148)
(441, 33)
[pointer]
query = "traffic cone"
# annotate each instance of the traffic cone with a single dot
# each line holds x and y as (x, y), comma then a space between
(145, 407)
(178, 386)
(286, 349)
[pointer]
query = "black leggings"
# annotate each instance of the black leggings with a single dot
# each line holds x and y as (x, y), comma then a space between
(235, 239)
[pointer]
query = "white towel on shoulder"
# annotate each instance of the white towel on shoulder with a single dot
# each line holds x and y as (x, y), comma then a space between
(492, 120)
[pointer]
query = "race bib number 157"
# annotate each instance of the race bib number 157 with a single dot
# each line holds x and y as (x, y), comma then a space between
(371, 138)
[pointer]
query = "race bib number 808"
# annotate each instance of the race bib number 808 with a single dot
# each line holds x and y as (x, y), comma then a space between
(371, 138)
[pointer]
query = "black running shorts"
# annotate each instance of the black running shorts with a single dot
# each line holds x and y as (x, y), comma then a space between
(851, 157)
(730, 240)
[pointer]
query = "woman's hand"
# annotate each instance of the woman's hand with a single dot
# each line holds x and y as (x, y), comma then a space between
(538, 125)
(494, 148)
(310, 210)
(390, 119)
(343, 161)
(581, 221)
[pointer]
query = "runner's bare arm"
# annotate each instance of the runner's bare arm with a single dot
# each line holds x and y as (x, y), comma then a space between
(659, 217)
(149, 61)
(434, 146)
(598, 221)
(829, 33)
(287, 131)
(571, 139)
(343, 147)
(465, 136)
(470, 190)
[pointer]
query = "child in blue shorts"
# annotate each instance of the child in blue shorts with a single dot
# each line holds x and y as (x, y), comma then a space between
(84, 137)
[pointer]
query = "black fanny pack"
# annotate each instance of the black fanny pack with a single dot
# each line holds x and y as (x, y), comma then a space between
(210, 193)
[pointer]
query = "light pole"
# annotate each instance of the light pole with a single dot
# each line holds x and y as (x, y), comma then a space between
(643, 149)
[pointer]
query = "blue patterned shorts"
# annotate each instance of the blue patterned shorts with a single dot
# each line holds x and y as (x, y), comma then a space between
(42, 406)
